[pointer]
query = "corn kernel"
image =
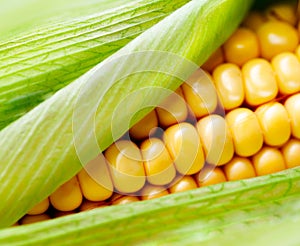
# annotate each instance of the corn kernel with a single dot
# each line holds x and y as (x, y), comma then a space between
(88, 205)
(285, 12)
(95, 181)
(239, 168)
(268, 160)
(172, 110)
(39, 208)
(291, 152)
(125, 166)
(276, 37)
(287, 69)
(145, 126)
(151, 192)
(241, 47)
(216, 139)
(274, 122)
(183, 184)
(68, 196)
(245, 131)
(184, 146)
(259, 82)
(200, 94)
(29, 219)
(229, 84)
(215, 176)
(254, 20)
(158, 164)
(125, 200)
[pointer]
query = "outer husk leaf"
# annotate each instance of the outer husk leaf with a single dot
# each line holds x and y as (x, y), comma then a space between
(36, 65)
(231, 213)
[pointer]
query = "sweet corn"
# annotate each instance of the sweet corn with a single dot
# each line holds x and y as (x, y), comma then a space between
(276, 37)
(259, 82)
(158, 164)
(200, 94)
(274, 122)
(258, 132)
(68, 196)
(215, 176)
(241, 47)
(216, 139)
(151, 192)
(268, 160)
(254, 20)
(184, 146)
(184, 183)
(245, 130)
(40, 208)
(125, 200)
(88, 205)
(125, 166)
(145, 126)
(229, 85)
(29, 219)
(94, 180)
(291, 152)
(239, 168)
(283, 12)
(286, 66)
(173, 110)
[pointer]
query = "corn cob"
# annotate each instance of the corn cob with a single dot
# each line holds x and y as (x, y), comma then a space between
(257, 86)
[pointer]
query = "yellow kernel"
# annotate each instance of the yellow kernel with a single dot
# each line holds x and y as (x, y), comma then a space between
(285, 12)
(274, 122)
(95, 181)
(158, 164)
(214, 60)
(287, 69)
(245, 131)
(259, 82)
(172, 110)
(229, 84)
(268, 160)
(241, 47)
(216, 139)
(125, 166)
(184, 146)
(291, 152)
(276, 37)
(254, 20)
(239, 168)
(68, 196)
(39, 208)
(125, 200)
(292, 105)
(144, 127)
(88, 205)
(200, 94)
(29, 219)
(151, 192)
(215, 176)
(183, 184)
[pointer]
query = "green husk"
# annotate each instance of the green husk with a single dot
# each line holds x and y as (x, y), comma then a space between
(38, 151)
(231, 213)
(36, 65)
